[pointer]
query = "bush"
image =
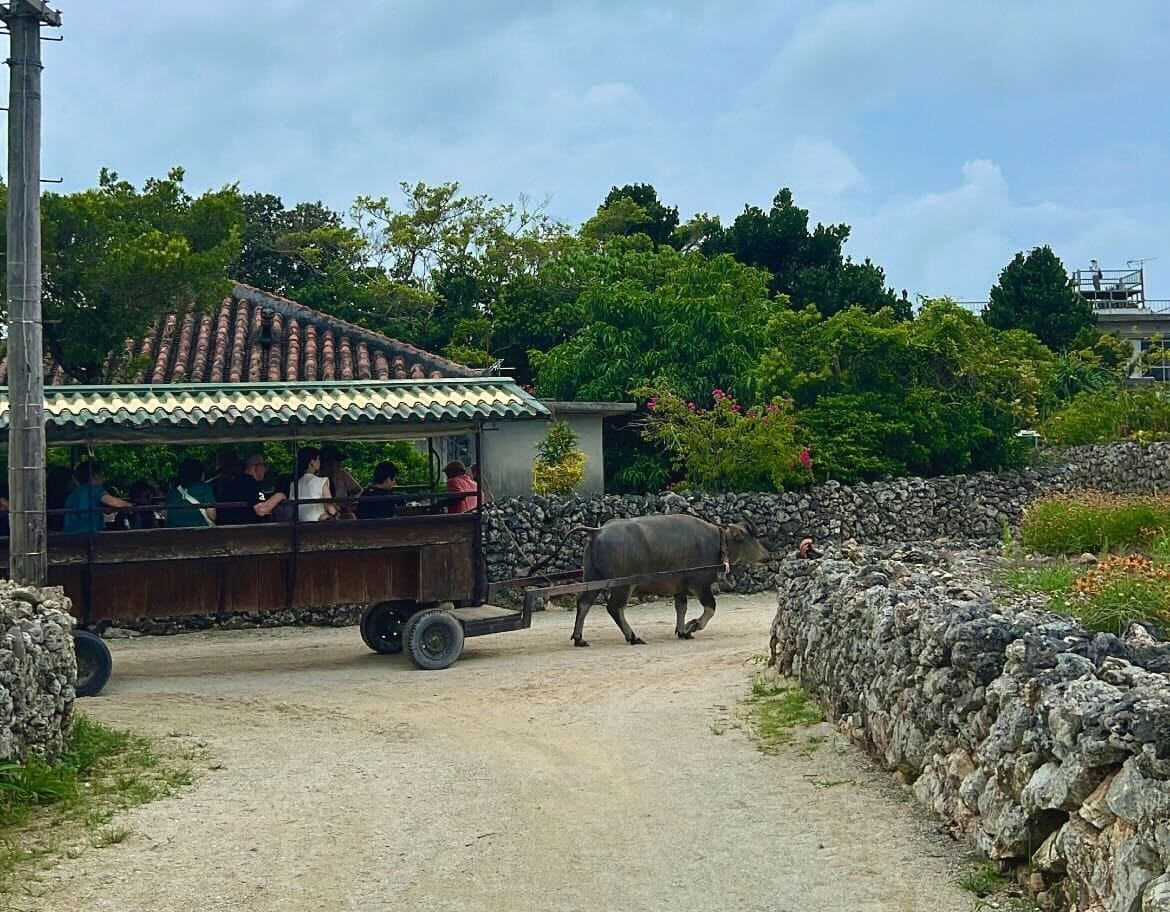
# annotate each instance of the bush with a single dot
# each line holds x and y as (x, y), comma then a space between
(1074, 524)
(876, 396)
(727, 448)
(1103, 416)
(559, 466)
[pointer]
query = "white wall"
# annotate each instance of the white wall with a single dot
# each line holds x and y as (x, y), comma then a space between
(510, 449)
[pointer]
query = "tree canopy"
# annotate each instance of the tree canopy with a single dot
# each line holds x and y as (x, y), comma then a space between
(1035, 293)
(768, 310)
(116, 257)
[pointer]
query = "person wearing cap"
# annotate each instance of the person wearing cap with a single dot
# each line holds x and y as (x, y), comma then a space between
(459, 482)
(244, 489)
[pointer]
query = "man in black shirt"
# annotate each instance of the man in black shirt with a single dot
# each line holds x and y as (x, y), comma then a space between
(245, 488)
(378, 500)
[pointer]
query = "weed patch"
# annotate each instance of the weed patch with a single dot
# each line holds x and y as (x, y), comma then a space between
(1054, 579)
(774, 710)
(49, 810)
(983, 880)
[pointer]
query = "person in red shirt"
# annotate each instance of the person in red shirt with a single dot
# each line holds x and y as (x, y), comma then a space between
(458, 481)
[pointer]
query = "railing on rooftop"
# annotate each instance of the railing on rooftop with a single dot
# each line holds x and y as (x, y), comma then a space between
(1159, 306)
(1109, 288)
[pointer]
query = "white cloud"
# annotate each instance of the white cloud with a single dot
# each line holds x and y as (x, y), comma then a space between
(956, 240)
(867, 109)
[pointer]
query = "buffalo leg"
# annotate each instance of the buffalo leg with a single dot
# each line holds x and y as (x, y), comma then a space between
(707, 600)
(616, 606)
(584, 602)
(680, 611)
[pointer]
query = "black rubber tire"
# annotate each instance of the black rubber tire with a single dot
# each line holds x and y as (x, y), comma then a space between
(434, 639)
(94, 663)
(383, 625)
(407, 628)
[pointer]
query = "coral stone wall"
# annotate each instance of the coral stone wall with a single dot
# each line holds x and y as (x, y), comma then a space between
(1047, 745)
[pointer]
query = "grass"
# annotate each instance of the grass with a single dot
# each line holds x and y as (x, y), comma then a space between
(1109, 595)
(49, 810)
(1131, 584)
(1071, 524)
(774, 710)
(1054, 579)
(983, 880)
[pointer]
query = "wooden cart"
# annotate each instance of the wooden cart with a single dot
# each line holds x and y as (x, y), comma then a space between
(422, 576)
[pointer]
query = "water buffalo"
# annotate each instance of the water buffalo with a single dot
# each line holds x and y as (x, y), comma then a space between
(650, 544)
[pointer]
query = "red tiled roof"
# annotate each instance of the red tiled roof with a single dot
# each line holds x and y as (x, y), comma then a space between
(255, 336)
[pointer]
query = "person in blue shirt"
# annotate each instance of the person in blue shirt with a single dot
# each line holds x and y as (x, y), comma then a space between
(90, 500)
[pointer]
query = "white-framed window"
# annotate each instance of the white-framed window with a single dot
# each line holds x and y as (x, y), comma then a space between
(1156, 358)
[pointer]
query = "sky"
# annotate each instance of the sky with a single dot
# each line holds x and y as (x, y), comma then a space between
(948, 133)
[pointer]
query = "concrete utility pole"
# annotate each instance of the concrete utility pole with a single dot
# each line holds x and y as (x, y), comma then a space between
(28, 557)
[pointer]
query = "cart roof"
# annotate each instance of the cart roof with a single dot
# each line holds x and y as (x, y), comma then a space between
(214, 413)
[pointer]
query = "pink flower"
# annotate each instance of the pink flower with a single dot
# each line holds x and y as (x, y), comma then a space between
(805, 459)
(718, 394)
(737, 409)
(691, 406)
(652, 404)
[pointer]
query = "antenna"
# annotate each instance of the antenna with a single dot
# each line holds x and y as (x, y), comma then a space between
(1139, 261)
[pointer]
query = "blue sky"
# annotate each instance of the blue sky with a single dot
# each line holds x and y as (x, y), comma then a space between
(949, 134)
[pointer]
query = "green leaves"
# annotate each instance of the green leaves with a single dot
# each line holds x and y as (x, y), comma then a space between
(1035, 292)
(727, 447)
(697, 322)
(879, 396)
(116, 258)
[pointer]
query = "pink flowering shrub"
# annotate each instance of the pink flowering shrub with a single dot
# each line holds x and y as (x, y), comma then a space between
(727, 447)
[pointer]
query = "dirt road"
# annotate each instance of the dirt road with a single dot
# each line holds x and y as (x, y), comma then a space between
(528, 776)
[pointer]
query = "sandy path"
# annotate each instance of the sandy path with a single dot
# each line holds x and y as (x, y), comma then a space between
(528, 776)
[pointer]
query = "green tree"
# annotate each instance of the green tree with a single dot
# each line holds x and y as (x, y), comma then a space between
(115, 258)
(1036, 293)
(878, 396)
(808, 266)
(657, 315)
(448, 258)
(271, 255)
(633, 209)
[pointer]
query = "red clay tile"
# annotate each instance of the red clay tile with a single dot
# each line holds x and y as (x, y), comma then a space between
(259, 337)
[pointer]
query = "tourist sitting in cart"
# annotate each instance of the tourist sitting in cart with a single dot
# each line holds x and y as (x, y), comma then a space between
(243, 490)
(227, 467)
(89, 501)
(312, 487)
(142, 495)
(190, 497)
(379, 501)
(458, 481)
(344, 486)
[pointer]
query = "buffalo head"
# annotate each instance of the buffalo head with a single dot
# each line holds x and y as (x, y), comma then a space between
(742, 545)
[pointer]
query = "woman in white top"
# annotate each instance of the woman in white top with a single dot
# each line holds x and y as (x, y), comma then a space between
(310, 486)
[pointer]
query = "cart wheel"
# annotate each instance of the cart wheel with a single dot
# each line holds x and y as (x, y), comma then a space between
(434, 639)
(382, 626)
(94, 663)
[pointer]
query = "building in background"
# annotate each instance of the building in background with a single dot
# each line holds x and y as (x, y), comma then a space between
(1119, 300)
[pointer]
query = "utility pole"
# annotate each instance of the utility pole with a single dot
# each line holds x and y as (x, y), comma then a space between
(27, 546)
